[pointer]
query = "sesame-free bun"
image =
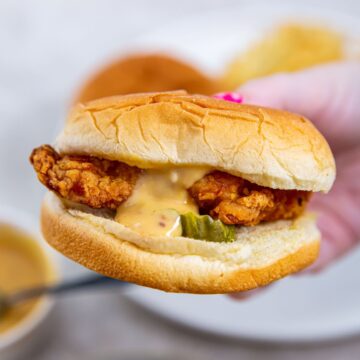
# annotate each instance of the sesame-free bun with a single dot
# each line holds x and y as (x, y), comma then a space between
(259, 256)
(268, 147)
(143, 73)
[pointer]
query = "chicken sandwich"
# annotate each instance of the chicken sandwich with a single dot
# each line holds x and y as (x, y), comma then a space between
(184, 193)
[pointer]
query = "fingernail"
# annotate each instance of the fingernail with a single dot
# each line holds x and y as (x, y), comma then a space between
(239, 296)
(247, 294)
(230, 96)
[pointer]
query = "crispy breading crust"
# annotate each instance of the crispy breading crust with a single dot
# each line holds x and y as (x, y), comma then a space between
(101, 183)
(236, 201)
(87, 180)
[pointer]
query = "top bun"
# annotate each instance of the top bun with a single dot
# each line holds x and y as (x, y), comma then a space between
(268, 147)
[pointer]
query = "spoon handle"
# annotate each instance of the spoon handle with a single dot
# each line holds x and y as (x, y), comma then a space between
(71, 285)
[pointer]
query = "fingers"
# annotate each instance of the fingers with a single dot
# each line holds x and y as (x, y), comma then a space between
(245, 295)
(328, 95)
(339, 211)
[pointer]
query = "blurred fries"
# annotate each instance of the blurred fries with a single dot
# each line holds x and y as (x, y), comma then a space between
(289, 47)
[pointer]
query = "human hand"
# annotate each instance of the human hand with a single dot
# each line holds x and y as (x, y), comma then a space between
(329, 96)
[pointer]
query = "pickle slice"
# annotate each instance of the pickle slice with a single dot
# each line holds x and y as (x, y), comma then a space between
(204, 227)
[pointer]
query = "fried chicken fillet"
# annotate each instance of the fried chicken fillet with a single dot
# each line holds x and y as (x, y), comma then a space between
(87, 180)
(101, 183)
(236, 201)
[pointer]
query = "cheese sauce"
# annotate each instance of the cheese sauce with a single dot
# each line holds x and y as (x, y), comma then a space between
(159, 197)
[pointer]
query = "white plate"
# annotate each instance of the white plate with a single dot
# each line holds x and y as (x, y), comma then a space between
(296, 309)
(211, 39)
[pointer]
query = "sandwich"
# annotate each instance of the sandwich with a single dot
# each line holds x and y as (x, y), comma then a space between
(184, 193)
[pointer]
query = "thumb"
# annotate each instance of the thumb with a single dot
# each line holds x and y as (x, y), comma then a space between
(327, 95)
(272, 91)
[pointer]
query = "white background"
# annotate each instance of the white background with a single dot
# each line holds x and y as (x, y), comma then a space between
(46, 50)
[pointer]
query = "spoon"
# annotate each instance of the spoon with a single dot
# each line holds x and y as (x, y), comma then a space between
(9, 301)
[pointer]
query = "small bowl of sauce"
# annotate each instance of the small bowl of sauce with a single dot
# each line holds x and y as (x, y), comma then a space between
(25, 262)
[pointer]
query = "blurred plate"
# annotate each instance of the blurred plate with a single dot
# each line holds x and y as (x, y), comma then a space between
(212, 39)
(298, 309)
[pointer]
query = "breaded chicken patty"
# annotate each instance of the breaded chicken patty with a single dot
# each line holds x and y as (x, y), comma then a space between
(101, 183)
(87, 180)
(236, 201)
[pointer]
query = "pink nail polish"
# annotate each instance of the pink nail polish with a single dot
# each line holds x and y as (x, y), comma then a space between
(230, 96)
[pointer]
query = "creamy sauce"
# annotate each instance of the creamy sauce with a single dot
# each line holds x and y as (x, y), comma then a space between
(159, 197)
(22, 265)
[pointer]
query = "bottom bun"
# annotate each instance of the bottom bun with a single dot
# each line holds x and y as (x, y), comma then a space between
(259, 256)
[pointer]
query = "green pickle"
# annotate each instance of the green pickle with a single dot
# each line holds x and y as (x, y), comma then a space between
(204, 227)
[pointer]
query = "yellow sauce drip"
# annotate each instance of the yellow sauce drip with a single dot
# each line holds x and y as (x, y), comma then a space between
(159, 197)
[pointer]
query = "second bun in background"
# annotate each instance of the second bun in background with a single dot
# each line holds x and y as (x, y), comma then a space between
(146, 73)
